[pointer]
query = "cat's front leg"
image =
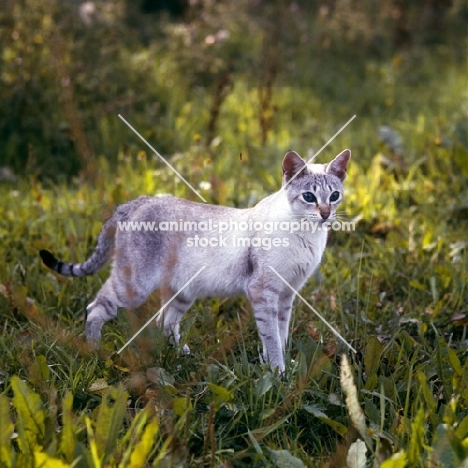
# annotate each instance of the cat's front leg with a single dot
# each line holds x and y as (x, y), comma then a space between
(265, 306)
(284, 317)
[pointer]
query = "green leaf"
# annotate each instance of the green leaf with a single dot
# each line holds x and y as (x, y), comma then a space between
(180, 406)
(43, 460)
(444, 370)
(448, 449)
(255, 443)
(39, 372)
(372, 355)
(133, 435)
(6, 431)
(31, 416)
(335, 425)
(222, 394)
(372, 382)
(267, 413)
(320, 365)
(170, 390)
(398, 460)
(417, 285)
(416, 443)
(356, 457)
(92, 453)
(67, 435)
(455, 362)
(462, 429)
(263, 385)
(372, 412)
(98, 386)
(109, 421)
(285, 459)
(145, 445)
(428, 396)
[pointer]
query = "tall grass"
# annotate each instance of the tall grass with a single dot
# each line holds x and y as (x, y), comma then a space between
(395, 288)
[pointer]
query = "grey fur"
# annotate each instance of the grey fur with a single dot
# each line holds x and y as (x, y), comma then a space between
(144, 261)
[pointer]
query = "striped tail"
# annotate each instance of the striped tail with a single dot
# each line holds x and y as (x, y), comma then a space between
(98, 259)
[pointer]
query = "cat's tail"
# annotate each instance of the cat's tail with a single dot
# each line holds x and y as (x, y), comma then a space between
(101, 255)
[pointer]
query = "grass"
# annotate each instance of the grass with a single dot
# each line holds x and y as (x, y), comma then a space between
(395, 288)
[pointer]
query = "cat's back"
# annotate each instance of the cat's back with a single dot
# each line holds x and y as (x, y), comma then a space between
(170, 208)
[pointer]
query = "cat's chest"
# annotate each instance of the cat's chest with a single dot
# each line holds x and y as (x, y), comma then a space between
(302, 256)
(307, 245)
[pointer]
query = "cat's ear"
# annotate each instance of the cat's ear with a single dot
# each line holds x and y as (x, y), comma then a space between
(337, 167)
(293, 164)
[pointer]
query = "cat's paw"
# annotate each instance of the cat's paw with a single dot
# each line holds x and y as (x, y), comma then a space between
(185, 350)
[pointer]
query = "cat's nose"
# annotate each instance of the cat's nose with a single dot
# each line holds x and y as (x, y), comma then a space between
(324, 212)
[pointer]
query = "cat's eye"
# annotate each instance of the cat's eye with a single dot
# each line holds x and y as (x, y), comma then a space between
(309, 197)
(334, 196)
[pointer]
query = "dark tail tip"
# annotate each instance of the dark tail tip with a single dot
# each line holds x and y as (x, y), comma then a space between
(48, 259)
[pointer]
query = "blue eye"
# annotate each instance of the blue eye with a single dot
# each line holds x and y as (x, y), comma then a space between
(309, 197)
(334, 196)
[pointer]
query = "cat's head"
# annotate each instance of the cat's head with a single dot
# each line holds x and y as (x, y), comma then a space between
(314, 190)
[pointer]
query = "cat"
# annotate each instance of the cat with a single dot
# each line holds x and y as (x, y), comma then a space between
(228, 242)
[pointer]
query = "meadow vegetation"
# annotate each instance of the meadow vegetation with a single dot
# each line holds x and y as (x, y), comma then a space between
(223, 94)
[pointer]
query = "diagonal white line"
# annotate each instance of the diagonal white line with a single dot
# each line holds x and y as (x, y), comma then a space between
(161, 309)
(160, 157)
(314, 311)
(315, 155)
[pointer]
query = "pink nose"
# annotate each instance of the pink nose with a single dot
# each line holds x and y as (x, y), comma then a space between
(324, 212)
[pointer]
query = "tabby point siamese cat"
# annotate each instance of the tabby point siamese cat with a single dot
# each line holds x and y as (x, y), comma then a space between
(238, 263)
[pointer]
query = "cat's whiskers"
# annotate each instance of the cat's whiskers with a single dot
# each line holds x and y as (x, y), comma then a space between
(344, 214)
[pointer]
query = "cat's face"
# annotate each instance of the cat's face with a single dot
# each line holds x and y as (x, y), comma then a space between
(315, 191)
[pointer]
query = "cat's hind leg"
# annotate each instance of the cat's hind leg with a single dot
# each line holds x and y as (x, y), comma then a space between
(116, 292)
(100, 311)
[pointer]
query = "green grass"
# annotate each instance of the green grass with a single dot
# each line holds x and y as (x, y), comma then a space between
(396, 288)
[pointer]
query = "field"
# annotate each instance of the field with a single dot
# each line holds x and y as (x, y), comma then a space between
(223, 111)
